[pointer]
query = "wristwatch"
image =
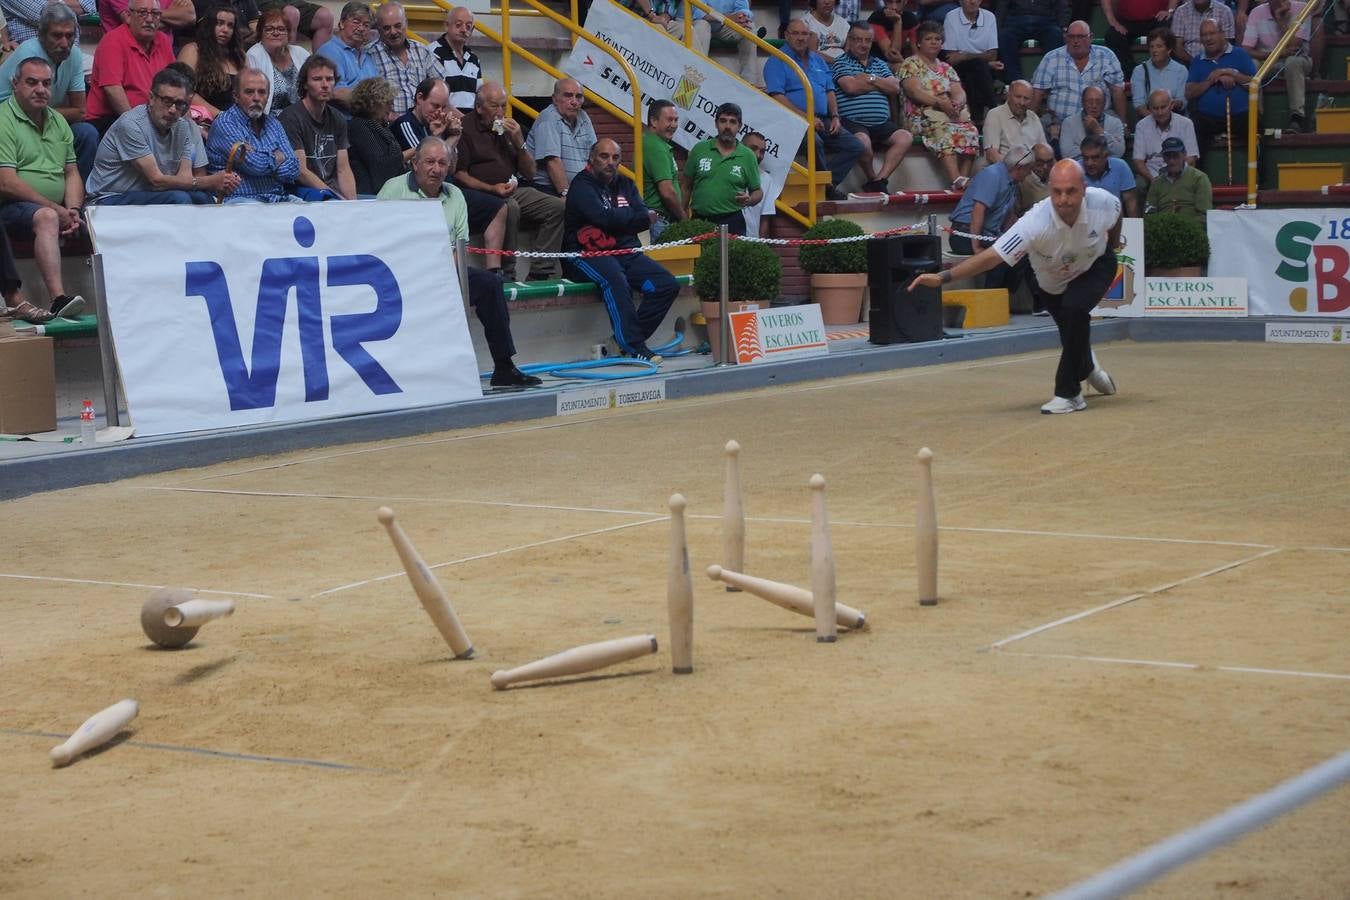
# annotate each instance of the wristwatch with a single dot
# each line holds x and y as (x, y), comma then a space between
(871, 78)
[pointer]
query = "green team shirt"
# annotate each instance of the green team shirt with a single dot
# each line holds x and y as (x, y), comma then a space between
(717, 178)
(658, 164)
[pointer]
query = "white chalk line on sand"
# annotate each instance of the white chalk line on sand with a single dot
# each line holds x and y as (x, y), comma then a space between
(491, 553)
(1246, 670)
(129, 584)
(685, 403)
(1130, 598)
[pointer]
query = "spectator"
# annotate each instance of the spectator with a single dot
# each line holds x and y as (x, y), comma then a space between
(1160, 124)
(153, 154)
(988, 206)
(373, 151)
(1035, 187)
(13, 305)
(561, 138)
(889, 25)
(606, 212)
(970, 42)
(23, 16)
(433, 116)
(318, 135)
(125, 63)
(1094, 120)
(216, 56)
(1160, 70)
(459, 65)
(1186, 22)
(831, 31)
(936, 109)
(1063, 73)
(493, 158)
(178, 14)
(668, 15)
(1012, 123)
(278, 59)
(1043, 20)
(1217, 86)
(7, 44)
(1179, 187)
(1267, 24)
(1127, 20)
(266, 164)
(866, 87)
(312, 20)
(936, 10)
(428, 180)
(714, 25)
(835, 145)
(401, 62)
(55, 42)
(757, 216)
(350, 51)
(1103, 169)
(39, 182)
(723, 174)
(662, 190)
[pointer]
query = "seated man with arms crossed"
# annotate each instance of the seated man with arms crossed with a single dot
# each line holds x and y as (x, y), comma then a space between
(265, 157)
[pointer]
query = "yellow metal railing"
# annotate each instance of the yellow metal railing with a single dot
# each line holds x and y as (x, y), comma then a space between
(1254, 98)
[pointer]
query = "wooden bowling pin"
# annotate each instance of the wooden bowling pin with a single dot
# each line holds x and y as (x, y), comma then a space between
(822, 566)
(926, 533)
(788, 596)
(680, 593)
(586, 658)
(196, 613)
(427, 587)
(733, 514)
(96, 731)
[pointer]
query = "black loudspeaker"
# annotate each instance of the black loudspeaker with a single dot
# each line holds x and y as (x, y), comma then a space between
(897, 315)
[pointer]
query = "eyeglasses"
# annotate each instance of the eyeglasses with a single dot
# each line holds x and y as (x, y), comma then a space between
(146, 13)
(180, 105)
(276, 29)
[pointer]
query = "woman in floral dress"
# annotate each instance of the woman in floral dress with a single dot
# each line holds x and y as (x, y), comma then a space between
(935, 106)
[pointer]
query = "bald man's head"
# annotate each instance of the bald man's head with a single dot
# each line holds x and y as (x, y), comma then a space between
(604, 160)
(1066, 189)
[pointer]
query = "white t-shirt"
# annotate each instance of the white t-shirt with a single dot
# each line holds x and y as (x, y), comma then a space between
(754, 214)
(960, 37)
(1060, 253)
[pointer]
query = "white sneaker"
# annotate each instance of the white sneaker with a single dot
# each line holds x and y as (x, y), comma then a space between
(1100, 379)
(1059, 405)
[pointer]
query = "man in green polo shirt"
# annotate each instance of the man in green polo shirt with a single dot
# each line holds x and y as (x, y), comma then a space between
(431, 163)
(724, 173)
(661, 189)
(1179, 187)
(39, 182)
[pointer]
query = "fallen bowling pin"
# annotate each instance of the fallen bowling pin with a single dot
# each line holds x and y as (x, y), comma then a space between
(196, 613)
(153, 614)
(586, 658)
(96, 731)
(788, 596)
(427, 587)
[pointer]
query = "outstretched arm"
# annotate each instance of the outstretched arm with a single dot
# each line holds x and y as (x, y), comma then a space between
(981, 262)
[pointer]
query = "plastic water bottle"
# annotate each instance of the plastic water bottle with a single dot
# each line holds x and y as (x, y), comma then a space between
(88, 431)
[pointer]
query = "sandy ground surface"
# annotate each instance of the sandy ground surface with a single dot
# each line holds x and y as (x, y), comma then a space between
(914, 759)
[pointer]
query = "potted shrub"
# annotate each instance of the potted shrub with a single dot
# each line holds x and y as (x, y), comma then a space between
(1175, 245)
(680, 260)
(838, 271)
(754, 274)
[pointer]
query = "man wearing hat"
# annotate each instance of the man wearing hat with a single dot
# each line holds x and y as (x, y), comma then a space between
(1179, 187)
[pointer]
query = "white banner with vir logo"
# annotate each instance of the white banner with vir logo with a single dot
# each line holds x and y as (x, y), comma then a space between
(240, 315)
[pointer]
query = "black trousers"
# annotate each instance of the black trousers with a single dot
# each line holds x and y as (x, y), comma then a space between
(734, 221)
(1072, 312)
(978, 80)
(489, 302)
(1122, 45)
(9, 272)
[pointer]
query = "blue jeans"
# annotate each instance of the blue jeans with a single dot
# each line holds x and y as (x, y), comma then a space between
(157, 198)
(840, 152)
(86, 146)
(1014, 31)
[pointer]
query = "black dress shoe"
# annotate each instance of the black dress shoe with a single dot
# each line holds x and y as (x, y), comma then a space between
(509, 376)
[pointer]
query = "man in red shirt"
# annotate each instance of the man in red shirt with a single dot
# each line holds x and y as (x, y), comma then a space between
(1127, 20)
(126, 61)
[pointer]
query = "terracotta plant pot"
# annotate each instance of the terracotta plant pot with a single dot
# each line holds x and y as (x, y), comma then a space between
(840, 296)
(713, 313)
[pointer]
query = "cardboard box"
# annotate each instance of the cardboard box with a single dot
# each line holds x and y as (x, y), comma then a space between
(27, 383)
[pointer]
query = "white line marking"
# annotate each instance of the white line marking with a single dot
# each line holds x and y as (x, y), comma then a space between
(387, 499)
(492, 553)
(131, 584)
(1246, 670)
(1150, 592)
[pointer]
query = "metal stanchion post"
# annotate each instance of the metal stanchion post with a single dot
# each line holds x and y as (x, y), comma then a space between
(932, 225)
(105, 344)
(724, 291)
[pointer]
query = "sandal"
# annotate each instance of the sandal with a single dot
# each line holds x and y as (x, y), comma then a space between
(959, 184)
(27, 312)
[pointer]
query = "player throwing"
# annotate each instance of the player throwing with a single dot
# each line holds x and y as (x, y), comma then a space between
(1071, 237)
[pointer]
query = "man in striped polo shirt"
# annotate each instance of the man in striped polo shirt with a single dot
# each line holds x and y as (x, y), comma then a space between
(866, 85)
(460, 66)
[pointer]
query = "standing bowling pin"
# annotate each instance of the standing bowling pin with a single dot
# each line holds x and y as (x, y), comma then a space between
(680, 593)
(733, 514)
(427, 587)
(585, 658)
(96, 731)
(822, 565)
(926, 533)
(196, 613)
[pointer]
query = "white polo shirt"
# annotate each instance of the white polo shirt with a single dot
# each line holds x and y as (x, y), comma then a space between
(959, 36)
(1060, 253)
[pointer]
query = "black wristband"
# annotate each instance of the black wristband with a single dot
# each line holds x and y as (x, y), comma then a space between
(946, 276)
